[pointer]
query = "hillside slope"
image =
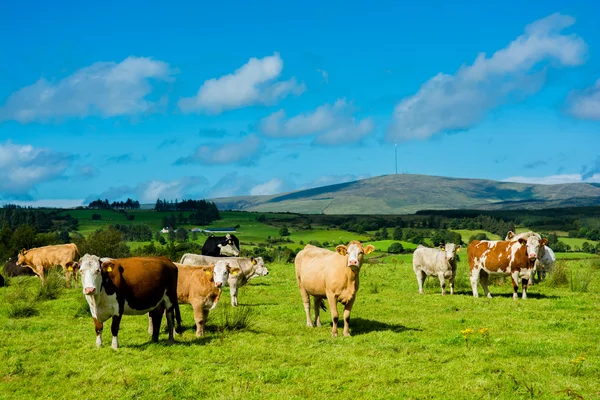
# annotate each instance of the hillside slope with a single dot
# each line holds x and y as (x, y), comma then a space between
(408, 193)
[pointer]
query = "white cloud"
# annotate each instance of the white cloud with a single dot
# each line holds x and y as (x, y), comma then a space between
(455, 102)
(22, 167)
(253, 83)
(585, 104)
(554, 179)
(332, 123)
(105, 88)
(245, 151)
(273, 186)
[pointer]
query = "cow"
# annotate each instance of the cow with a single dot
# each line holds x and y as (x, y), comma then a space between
(40, 259)
(11, 268)
(200, 287)
(2, 283)
(129, 286)
(241, 270)
(501, 257)
(221, 246)
(440, 262)
(546, 260)
(334, 275)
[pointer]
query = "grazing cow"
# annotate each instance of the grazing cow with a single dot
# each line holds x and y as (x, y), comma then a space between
(241, 270)
(545, 261)
(11, 268)
(440, 262)
(198, 286)
(322, 273)
(40, 259)
(129, 286)
(221, 246)
(500, 257)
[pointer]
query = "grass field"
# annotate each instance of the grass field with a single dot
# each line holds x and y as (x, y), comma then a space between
(404, 345)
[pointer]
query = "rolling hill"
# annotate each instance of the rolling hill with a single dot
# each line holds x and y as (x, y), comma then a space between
(409, 193)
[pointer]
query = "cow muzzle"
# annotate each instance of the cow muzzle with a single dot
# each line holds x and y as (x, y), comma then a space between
(89, 290)
(353, 263)
(218, 284)
(532, 257)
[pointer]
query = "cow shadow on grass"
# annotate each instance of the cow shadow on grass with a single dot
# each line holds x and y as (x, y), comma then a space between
(530, 295)
(360, 326)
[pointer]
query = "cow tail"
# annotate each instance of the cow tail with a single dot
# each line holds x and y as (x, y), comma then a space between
(323, 306)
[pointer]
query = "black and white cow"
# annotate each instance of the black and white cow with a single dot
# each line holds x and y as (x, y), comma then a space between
(221, 246)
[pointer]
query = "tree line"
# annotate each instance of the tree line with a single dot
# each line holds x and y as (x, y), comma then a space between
(129, 204)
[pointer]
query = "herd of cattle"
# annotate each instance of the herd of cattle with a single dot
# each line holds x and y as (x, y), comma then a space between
(156, 285)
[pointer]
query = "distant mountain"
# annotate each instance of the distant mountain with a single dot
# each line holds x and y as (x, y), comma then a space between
(408, 193)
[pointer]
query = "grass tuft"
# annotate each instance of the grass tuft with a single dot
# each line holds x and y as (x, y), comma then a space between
(55, 283)
(21, 303)
(580, 280)
(558, 276)
(234, 318)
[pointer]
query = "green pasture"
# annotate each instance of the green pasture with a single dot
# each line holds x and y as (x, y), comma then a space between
(577, 241)
(404, 345)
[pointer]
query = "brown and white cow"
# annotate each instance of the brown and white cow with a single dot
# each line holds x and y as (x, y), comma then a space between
(334, 275)
(500, 257)
(129, 286)
(199, 286)
(40, 259)
(545, 261)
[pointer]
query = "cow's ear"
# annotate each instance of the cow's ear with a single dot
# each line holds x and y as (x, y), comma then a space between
(23, 251)
(341, 249)
(523, 241)
(510, 235)
(253, 260)
(457, 248)
(442, 248)
(234, 271)
(369, 249)
(544, 242)
(107, 266)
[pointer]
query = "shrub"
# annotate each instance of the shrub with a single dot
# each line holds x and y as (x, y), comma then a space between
(284, 231)
(55, 283)
(396, 248)
(20, 301)
(96, 217)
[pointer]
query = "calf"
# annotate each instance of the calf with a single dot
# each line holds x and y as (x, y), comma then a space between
(221, 246)
(11, 268)
(40, 259)
(515, 258)
(129, 286)
(241, 270)
(200, 287)
(322, 273)
(442, 263)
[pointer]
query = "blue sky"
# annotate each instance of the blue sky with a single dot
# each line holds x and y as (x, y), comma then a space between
(194, 99)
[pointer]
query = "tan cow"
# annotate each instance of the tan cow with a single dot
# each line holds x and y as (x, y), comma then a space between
(196, 285)
(40, 259)
(322, 273)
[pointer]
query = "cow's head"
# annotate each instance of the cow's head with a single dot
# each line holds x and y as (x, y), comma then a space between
(21, 258)
(355, 252)
(90, 269)
(227, 247)
(221, 272)
(260, 269)
(450, 250)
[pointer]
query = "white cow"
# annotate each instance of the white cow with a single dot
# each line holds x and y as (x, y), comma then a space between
(242, 269)
(440, 262)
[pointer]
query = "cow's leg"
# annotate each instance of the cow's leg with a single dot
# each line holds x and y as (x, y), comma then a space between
(474, 277)
(150, 326)
(452, 281)
(514, 276)
(199, 315)
(39, 271)
(442, 282)
(99, 326)
(420, 279)
(156, 316)
(306, 302)
(234, 292)
(524, 283)
(114, 329)
(347, 311)
(334, 313)
(484, 282)
(170, 322)
(317, 305)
